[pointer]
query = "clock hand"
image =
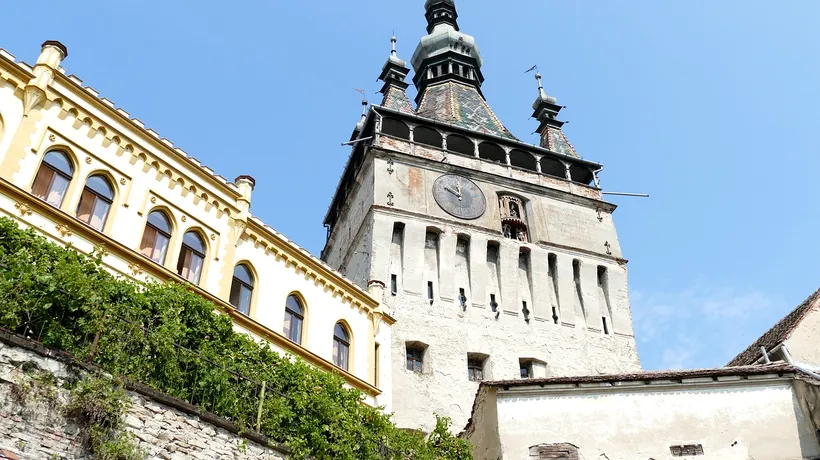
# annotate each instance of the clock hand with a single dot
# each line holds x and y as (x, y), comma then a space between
(452, 191)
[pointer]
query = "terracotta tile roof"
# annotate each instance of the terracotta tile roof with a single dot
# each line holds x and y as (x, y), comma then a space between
(461, 105)
(778, 333)
(647, 376)
(396, 99)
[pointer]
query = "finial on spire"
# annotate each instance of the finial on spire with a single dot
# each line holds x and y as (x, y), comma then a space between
(393, 41)
(360, 125)
(542, 95)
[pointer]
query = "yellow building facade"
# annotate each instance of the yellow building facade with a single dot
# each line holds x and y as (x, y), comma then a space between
(85, 173)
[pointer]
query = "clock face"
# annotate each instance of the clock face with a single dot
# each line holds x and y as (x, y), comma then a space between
(459, 197)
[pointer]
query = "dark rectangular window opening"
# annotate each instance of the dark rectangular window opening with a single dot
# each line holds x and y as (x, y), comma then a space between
(525, 366)
(525, 311)
(475, 370)
(606, 328)
(394, 285)
(554, 315)
(493, 303)
(376, 366)
(415, 359)
(430, 292)
(462, 297)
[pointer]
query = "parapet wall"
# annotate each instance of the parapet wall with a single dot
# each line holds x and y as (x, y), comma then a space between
(32, 427)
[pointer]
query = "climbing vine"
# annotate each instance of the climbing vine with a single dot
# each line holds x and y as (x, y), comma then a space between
(98, 406)
(169, 338)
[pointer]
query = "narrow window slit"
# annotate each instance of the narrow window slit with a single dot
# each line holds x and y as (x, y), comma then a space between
(525, 311)
(430, 292)
(606, 328)
(394, 285)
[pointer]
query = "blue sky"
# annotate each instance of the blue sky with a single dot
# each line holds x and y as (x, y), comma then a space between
(709, 106)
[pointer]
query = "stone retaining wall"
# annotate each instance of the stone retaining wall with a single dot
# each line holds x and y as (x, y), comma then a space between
(33, 427)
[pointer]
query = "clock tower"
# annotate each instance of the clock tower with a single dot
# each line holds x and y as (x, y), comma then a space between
(499, 258)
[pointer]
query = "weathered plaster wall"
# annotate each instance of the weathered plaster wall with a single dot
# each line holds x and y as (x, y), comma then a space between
(731, 420)
(35, 429)
(562, 223)
(348, 248)
(484, 435)
(802, 343)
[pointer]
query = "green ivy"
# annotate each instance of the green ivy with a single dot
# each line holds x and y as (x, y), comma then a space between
(99, 406)
(169, 338)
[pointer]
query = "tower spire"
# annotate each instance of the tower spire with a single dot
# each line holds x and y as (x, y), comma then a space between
(446, 53)
(546, 112)
(360, 125)
(393, 75)
(441, 12)
(546, 107)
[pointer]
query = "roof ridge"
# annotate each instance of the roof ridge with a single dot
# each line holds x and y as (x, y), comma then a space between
(778, 333)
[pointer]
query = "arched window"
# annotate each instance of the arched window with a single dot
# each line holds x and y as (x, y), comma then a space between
(580, 174)
(522, 159)
(395, 128)
(492, 152)
(294, 318)
(341, 346)
(429, 136)
(95, 202)
(53, 178)
(553, 167)
(156, 236)
(460, 144)
(242, 289)
(191, 257)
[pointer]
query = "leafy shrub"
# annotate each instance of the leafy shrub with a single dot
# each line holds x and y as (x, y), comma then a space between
(171, 339)
(99, 406)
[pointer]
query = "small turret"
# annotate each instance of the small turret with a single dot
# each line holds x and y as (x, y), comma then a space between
(51, 55)
(395, 88)
(546, 112)
(446, 53)
(360, 125)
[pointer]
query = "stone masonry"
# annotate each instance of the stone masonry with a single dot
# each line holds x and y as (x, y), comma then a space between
(33, 427)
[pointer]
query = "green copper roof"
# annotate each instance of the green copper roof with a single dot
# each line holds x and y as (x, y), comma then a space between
(461, 105)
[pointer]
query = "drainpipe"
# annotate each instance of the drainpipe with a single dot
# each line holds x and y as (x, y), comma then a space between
(765, 355)
(595, 177)
(791, 362)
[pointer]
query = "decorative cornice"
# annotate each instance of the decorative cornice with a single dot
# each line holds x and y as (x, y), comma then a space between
(302, 260)
(207, 177)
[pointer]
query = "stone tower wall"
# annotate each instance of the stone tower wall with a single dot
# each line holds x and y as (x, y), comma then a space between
(567, 238)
